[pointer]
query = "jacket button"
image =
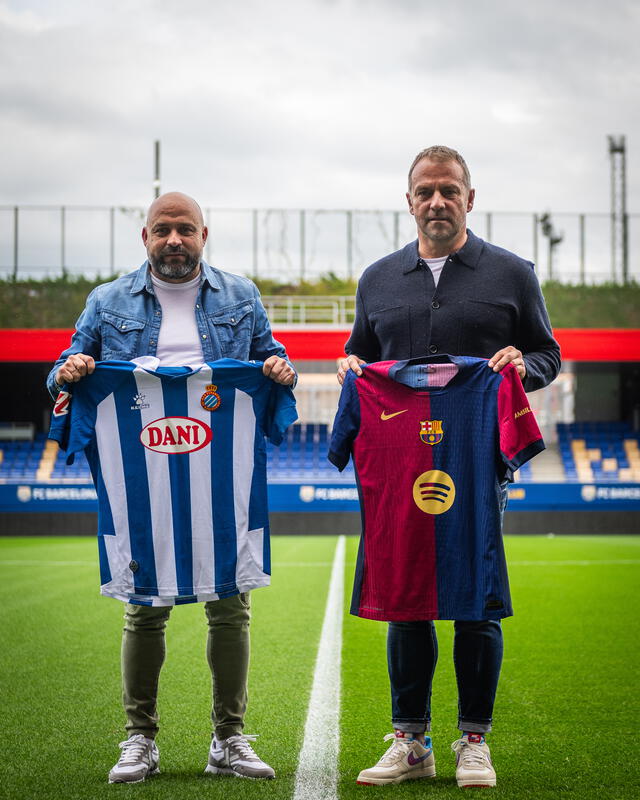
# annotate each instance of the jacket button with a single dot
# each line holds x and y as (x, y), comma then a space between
(433, 348)
(435, 304)
(204, 335)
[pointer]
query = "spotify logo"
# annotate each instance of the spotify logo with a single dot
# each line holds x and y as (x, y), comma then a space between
(434, 492)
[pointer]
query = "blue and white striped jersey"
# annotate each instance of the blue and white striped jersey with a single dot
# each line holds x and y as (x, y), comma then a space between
(178, 459)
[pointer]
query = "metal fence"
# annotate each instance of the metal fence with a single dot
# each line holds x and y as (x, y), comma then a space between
(292, 245)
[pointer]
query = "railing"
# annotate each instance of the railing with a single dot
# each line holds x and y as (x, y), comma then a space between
(301, 244)
(336, 310)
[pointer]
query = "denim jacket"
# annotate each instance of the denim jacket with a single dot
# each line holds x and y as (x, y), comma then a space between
(121, 320)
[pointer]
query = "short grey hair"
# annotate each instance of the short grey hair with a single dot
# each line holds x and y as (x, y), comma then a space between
(438, 152)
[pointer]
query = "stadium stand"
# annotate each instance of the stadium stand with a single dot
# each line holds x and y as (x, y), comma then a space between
(303, 454)
(599, 451)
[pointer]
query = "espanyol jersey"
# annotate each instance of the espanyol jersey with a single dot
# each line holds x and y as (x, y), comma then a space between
(178, 459)
(430, 458)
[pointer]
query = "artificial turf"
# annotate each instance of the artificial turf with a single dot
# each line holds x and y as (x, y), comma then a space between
(564, 719)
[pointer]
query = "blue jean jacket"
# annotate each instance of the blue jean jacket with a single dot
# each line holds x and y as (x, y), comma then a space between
(121, 320)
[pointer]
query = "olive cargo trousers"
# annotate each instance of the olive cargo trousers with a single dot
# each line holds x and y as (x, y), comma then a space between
(228, 648)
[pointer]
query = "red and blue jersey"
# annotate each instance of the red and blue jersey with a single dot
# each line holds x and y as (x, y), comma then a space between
(433, 441)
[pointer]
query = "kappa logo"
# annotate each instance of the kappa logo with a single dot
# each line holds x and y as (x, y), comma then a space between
(61, 406)
(176, 435)
(431, 431)
(210, 400)
(385, 416)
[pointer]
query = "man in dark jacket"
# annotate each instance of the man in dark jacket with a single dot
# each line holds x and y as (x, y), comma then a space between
(452, 293)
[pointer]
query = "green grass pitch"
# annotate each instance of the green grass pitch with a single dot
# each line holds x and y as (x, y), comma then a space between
(565, 719)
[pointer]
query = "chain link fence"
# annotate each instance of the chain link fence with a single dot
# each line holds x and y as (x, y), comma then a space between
(294, 245)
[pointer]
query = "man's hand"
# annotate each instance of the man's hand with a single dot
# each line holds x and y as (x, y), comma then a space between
(279, 370)
(350, 362)
(508, 355)
(75, 367)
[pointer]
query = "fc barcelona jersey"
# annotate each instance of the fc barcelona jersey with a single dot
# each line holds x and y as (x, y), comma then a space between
(433, 441)
(178, 459)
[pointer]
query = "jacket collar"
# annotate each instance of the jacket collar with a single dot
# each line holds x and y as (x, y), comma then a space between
(469, 254)
(142, 280)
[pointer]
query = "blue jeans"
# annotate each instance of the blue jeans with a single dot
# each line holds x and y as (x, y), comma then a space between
(412, 653)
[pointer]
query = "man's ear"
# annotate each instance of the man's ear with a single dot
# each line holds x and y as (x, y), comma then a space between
(145, 235)
(408, 196)
(472, 197)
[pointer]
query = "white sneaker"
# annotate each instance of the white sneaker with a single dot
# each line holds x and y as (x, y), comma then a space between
(139, 758)
(406, 759)
(473, 763)
(235, 756)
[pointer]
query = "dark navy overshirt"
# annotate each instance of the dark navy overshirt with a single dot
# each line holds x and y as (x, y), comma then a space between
(487, 298)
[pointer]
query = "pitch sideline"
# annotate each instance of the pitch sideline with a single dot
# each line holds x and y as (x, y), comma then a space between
(317, 773)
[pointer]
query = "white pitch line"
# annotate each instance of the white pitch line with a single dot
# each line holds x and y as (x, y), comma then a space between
(582, 563)
(32, 563)
(317, 773)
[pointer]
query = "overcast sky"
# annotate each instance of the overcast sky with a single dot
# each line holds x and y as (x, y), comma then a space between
(316, 103)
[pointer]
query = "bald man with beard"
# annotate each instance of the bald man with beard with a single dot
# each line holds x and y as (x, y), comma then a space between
(182, 311)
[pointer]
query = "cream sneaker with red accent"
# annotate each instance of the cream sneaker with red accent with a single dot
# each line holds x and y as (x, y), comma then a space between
(406, 759)
(473, 763)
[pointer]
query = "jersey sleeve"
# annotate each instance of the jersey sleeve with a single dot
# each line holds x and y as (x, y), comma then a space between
(520, 437)
(74, 413)
(346, 423)
(281, 411)
(72, 423)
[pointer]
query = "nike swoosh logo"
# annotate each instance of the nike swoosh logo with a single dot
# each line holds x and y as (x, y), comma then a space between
(413, 760)
(384, 414)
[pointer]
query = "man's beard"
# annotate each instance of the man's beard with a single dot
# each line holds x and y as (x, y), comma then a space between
(442, 233)
(178, 269)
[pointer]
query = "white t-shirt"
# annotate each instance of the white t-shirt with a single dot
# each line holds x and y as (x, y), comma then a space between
(436, 265)
(178, 341)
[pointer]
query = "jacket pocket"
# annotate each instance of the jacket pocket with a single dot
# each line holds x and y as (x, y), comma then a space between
(486, 328)
(392, 328)
(233, 328)
(120, 336)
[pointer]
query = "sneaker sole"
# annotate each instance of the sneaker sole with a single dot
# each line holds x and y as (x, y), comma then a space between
(488, 784)
(386, 781)
(211, 770)
(137, 780)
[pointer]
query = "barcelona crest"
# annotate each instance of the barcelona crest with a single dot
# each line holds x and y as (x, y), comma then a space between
(210, 400)
(431, 431)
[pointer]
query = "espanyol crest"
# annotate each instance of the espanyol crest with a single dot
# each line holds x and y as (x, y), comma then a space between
(431, 431)
(210, 400)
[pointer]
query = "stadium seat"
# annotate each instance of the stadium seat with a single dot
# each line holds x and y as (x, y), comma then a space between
(599, 451)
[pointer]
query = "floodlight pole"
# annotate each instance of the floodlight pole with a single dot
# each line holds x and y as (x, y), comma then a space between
(619, 219)
(156, 174)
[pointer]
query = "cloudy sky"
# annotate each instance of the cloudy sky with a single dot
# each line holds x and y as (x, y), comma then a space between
(316, 103)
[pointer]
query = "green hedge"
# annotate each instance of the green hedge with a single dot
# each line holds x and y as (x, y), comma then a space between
(57, 303)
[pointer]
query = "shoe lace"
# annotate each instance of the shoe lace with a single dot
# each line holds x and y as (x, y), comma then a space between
(472, 756)
(240, 743)
(133, 750)
(399, 747)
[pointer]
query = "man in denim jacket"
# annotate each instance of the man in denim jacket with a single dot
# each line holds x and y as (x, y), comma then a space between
(183, 311)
